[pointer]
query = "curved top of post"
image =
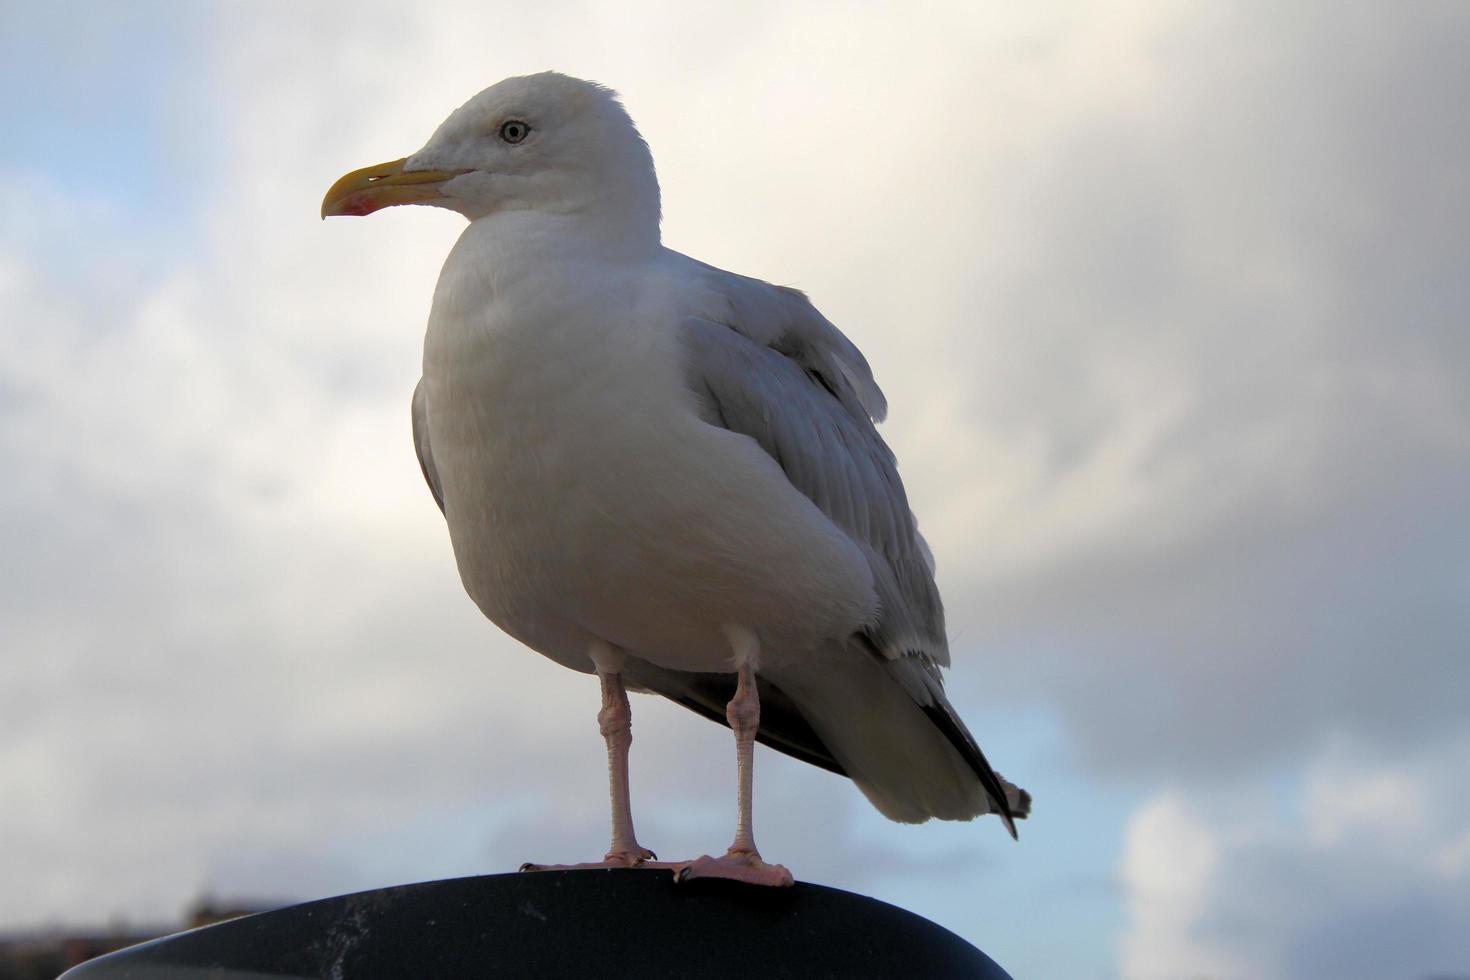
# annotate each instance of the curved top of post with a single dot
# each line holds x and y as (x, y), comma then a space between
(557, 924)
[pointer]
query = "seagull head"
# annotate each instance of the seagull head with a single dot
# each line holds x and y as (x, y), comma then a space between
(545, 142)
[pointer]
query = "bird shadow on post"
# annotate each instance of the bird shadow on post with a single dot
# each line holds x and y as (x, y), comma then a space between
(562, 924)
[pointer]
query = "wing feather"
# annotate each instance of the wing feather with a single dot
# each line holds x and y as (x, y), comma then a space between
(805, 395)
(831, 452)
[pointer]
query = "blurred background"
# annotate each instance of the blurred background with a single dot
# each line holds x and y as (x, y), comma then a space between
(1170, 302)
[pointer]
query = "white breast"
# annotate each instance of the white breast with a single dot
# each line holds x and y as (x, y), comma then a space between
(584, 496)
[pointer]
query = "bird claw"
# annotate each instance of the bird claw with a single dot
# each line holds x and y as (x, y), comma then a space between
(745, 866)
(633, 857)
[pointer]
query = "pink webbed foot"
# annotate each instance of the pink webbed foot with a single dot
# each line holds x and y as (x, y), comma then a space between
(745, 866)
(637, 857)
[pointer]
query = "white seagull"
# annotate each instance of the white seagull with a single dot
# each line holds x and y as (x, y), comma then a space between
(668, 474)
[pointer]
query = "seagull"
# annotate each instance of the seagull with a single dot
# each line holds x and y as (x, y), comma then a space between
(667, 474)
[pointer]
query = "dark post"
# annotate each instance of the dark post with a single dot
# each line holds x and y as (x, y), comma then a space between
(562, 924)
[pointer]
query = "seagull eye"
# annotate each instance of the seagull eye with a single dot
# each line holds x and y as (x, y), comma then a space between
(513, 131)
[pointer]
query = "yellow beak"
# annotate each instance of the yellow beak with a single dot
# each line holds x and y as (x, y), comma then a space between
(384, 185)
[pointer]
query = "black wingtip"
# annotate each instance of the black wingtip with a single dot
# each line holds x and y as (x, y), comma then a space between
(1007, 817)
(954, 730)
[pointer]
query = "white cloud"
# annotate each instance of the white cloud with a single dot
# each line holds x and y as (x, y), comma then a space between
(1171, 863)
(1356, 876)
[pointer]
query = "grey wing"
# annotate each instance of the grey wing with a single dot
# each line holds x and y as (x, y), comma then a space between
(784, 320)
(816, 422)
(420, 411)
(832, 454)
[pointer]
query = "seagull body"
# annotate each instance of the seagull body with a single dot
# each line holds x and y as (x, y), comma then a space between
(586, 496)
(668, 474)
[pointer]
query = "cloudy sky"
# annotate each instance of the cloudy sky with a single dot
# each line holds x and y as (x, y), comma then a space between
(1170, 302)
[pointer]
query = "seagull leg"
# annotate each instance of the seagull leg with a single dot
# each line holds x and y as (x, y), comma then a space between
(742, 862)
(616, 723)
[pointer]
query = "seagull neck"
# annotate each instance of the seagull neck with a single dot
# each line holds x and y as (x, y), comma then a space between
(582, 230)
